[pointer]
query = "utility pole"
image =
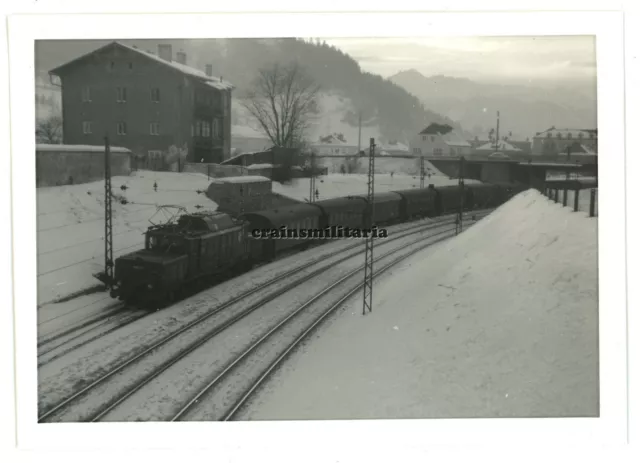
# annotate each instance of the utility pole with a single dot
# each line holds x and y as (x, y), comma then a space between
(368, 255)
(461, 185)
(359, 130)
(422, 172)
(312, 178)
(108, 224)
(498, 133)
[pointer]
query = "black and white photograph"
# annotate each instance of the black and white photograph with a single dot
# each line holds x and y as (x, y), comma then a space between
(323, 227)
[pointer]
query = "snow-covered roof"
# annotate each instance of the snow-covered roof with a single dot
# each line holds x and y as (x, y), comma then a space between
(454, 139)
(260, 166)
(242, 179)
(246, 132)
(502, 146)
(214, 82)
(81, 148)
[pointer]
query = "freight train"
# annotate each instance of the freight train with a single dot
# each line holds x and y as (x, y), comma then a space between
(201, 246)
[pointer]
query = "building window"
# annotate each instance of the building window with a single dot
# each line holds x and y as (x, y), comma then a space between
(559, 136)
(193, 129)
(433, 138)
(580, 135)
(155, 154)
(86, 127)
(154, 128)
(122, 128)
(155, 95)
(198, 128)
(548, 134)
(86, 94)
(121, 94)
(592, 135)
(130, 65)
(569, 135)
(217, 132)
(112, 65)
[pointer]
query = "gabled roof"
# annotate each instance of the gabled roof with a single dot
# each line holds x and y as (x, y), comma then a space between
(183, 68)
(453, 139)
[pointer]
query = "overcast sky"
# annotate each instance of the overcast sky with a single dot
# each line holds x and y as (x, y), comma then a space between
(552, 59)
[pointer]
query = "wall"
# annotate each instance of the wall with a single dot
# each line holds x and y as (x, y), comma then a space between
(60, 167)
(495, 173)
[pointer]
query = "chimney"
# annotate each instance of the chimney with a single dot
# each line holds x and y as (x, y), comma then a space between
(164, 52)
(181, 57)
(209, 70)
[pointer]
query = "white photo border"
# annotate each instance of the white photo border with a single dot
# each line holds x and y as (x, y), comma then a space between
(610, 428)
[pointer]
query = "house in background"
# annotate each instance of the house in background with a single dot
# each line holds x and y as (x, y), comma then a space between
(247, 140)
(146, 103)
(432, 142)
(556, 141)
(331, 145)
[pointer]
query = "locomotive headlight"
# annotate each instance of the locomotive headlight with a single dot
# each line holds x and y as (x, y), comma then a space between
(149, 286)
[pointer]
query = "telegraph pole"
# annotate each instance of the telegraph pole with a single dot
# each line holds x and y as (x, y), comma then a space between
(108, 224)
(422, 172)
(312, 179)
(461, 185)
(368, 255)
(359, 129)
(498, 133)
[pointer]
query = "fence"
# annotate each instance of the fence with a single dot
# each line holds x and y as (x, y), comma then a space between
(585, 200)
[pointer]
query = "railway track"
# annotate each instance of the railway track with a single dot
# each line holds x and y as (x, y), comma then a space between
(78, 405)
(64, 341)
(293, 329)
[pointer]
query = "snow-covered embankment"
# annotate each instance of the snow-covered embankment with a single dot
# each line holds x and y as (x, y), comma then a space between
(501, 321)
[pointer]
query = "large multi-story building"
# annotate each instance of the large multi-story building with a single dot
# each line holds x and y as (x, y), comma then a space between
(145, 102)
(556, 141)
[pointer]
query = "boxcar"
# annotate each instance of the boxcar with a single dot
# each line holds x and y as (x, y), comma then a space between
(418, 202)
(484, 196)
(386, 207)
(293, 217)
(346, 212)
(448, 199)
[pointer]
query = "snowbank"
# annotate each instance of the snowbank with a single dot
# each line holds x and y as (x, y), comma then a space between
(501, 321)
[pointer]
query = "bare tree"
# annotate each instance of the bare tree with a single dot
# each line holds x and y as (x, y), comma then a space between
(282, 102)
(49, 130)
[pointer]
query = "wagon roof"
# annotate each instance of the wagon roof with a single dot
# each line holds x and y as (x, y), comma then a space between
(416, 192)
(357, 201)
(383, 197)
(282, 215)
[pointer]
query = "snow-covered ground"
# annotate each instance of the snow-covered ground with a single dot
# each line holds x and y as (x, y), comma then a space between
(501, 321)
(71, 224)
(71, 220)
